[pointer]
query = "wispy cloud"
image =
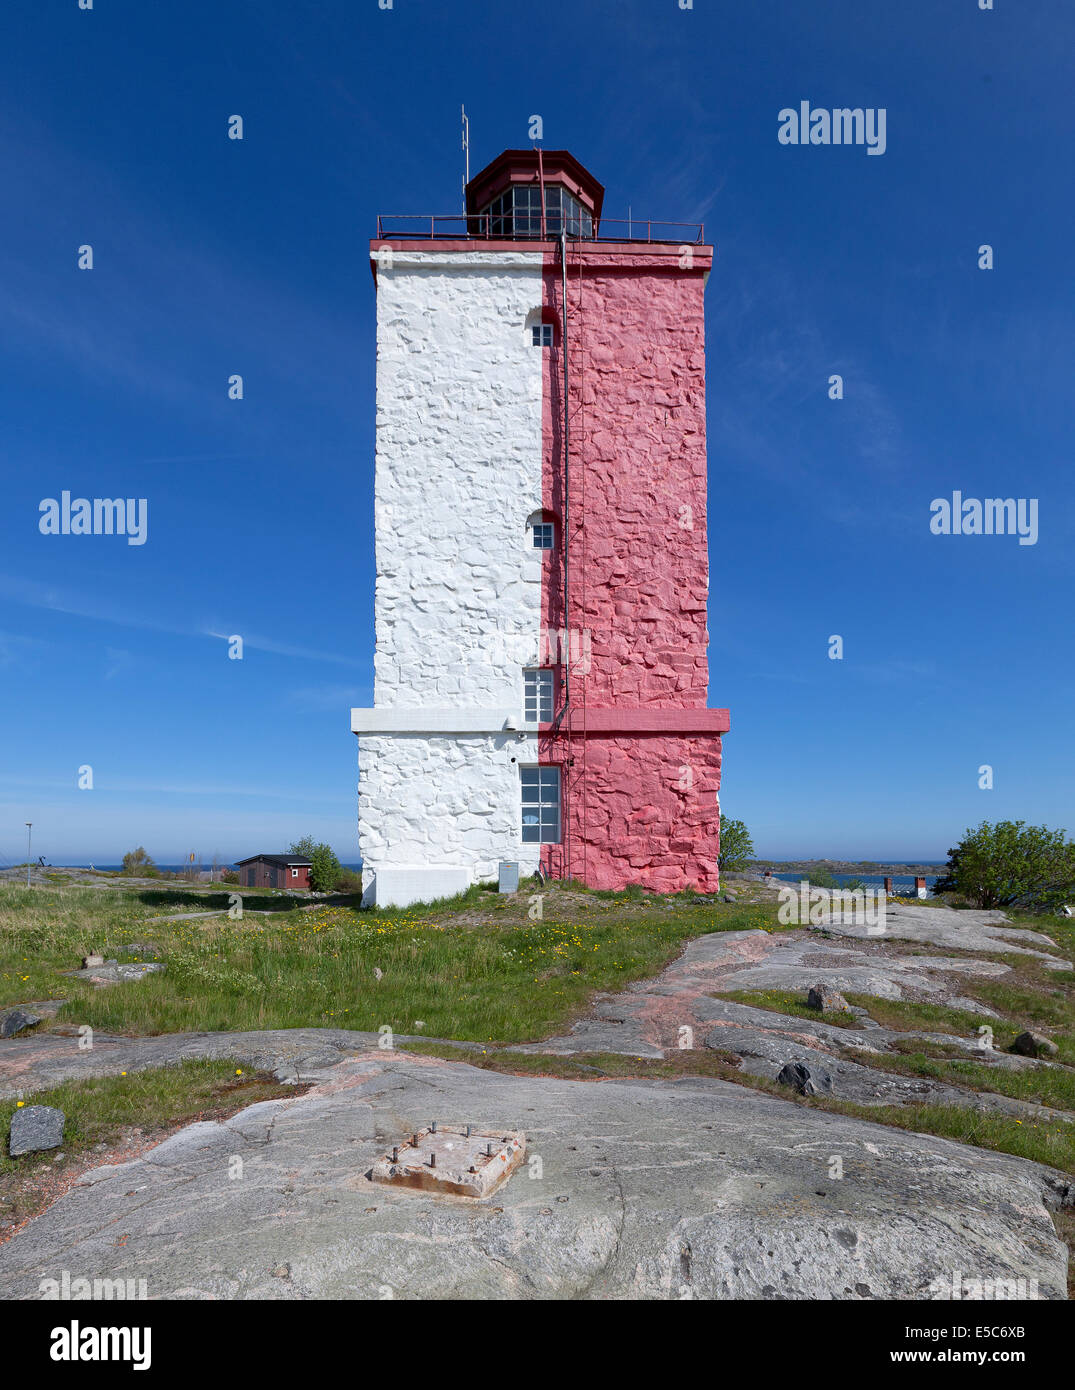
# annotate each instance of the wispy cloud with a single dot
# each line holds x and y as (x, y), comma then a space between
(119, 660)
(35, 595)
(216, 792)
(267, 644)
(15, 649)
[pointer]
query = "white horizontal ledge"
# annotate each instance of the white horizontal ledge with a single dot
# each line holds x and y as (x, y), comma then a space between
(438, 721)
(386, 257)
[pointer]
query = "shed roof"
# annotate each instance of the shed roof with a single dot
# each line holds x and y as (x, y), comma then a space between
(286, 861)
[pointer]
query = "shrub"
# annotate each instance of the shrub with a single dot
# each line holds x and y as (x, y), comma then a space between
(736, 846)
(347, 881)
(138, 862)
(325, 868)
(1012, 864)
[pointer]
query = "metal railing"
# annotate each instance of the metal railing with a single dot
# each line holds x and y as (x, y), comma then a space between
(458, 226)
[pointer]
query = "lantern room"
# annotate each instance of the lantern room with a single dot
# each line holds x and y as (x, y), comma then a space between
(534, 194)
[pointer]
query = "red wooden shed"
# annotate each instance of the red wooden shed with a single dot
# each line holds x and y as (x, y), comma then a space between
(274, 871)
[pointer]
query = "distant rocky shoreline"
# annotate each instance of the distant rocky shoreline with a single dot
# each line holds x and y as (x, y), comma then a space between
(846, 866)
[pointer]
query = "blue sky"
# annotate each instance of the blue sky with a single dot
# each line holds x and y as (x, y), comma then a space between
(214, 256)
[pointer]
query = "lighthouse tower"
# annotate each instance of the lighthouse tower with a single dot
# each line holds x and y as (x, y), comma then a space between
(541, 676)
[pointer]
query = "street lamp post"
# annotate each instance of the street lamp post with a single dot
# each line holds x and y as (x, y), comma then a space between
(29, 823)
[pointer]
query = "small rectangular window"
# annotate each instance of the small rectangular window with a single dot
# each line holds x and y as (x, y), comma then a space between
(538, 694)
(542, 334)
(543, 535)
(540, 805)
(294, 873)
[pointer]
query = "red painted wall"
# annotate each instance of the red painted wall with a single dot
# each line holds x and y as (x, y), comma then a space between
(262, 875)
(640, 806)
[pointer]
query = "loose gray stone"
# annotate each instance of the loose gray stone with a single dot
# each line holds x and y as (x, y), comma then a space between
(1032, 1044)
(111, 972)
(15, 1020)
(808, 1081)
(827, 999)
(34, 1128)
(90, 960)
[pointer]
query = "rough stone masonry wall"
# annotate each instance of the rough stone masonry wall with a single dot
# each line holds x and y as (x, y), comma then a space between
(459, 389)
(639, 574)
(641, 808)
(649, 814)
(440, 801)
(459, 392)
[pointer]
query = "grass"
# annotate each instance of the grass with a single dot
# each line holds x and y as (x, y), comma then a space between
(478, 968)
(475, 967)
(1039, 1085)
(791, 1002)
(104, 1111)
(1038, 1140)
(1043, 1142)
(907, 1014)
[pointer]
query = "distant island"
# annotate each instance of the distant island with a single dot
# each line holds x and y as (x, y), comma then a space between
(846, 866)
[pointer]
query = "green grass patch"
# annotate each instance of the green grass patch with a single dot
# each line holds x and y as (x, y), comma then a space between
(1043, 1142)
(790, 1002)
(906, 1015)
(106, 1110)
(476, 967)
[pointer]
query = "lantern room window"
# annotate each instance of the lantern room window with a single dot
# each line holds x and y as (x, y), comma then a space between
(517, 213)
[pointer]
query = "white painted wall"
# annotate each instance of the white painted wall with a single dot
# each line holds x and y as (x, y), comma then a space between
(442, 801)
(458, 471)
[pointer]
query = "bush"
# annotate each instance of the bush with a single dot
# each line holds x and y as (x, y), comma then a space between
(736, 846)
(229, 876)
(1012, 864)
(138, 862)
(325, 868)
(347, 881)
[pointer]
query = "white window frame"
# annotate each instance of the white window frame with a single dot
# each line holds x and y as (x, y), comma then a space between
(294, 873)
(540, 813)
(544, 531)
(539, 694)
(541, 335)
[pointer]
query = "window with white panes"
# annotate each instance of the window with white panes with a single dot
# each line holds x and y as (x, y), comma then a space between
(538, 694)
(540, 805)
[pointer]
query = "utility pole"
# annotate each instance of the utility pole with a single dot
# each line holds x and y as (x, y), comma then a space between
(29, 825)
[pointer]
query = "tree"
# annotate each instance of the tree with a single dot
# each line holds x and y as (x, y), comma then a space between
(137, 861)
(736, 846)
(1012, 864)
(325, 868)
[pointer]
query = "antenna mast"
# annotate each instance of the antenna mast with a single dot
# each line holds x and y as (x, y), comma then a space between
(466, 154)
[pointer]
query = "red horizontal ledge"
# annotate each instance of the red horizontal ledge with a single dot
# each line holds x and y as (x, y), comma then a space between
(643, 721)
